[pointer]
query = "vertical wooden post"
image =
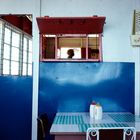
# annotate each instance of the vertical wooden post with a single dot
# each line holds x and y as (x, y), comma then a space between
(100, 48)
(86, 47)
(56, 47)
(41, 50)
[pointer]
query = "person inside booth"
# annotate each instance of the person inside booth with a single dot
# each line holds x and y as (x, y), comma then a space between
(70, 53)
(95, 54)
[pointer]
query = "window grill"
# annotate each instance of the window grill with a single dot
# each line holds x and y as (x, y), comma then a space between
(13, 61)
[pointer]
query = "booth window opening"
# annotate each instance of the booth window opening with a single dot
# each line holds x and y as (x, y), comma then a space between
(57, 46)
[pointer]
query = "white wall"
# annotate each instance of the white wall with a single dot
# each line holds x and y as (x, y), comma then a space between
(117, 30)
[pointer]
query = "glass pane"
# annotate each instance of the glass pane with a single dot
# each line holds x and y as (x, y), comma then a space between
(24, 70)
(25, 44)
(30, 46)
(7, 36)
(15, 39)
(15, 54)
(0, 27)
(30, 58)
(29, 69)
(25, 56)
(14, 68)
(0, 36)
(6, 67)
(0, 50)
(66, 52)
(6, 54)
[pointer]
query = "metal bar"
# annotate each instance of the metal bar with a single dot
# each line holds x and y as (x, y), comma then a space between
(94, 131)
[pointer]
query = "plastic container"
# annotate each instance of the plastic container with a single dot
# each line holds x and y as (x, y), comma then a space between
(92, 109)
(98, 112)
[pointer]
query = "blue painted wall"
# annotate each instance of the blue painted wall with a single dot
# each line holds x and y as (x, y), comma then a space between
(15, 107)
(70, 87)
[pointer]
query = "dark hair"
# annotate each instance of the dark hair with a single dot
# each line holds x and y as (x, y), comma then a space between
(70, 53)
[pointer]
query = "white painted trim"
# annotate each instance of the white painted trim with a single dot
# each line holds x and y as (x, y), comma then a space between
(35, 70)
(137, 80)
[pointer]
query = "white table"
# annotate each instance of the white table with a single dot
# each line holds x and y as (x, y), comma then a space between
(67, 126)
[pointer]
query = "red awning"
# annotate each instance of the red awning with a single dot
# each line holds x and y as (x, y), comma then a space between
(71, 25)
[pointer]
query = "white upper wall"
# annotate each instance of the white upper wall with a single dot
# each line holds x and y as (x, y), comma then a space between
(16, 6)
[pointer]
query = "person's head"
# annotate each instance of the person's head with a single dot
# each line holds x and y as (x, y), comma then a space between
(70, 53)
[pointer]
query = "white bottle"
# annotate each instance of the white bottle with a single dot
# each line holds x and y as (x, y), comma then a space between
(98, 112)
(92, 110)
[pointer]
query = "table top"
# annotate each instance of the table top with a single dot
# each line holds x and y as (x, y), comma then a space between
(70, 122)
